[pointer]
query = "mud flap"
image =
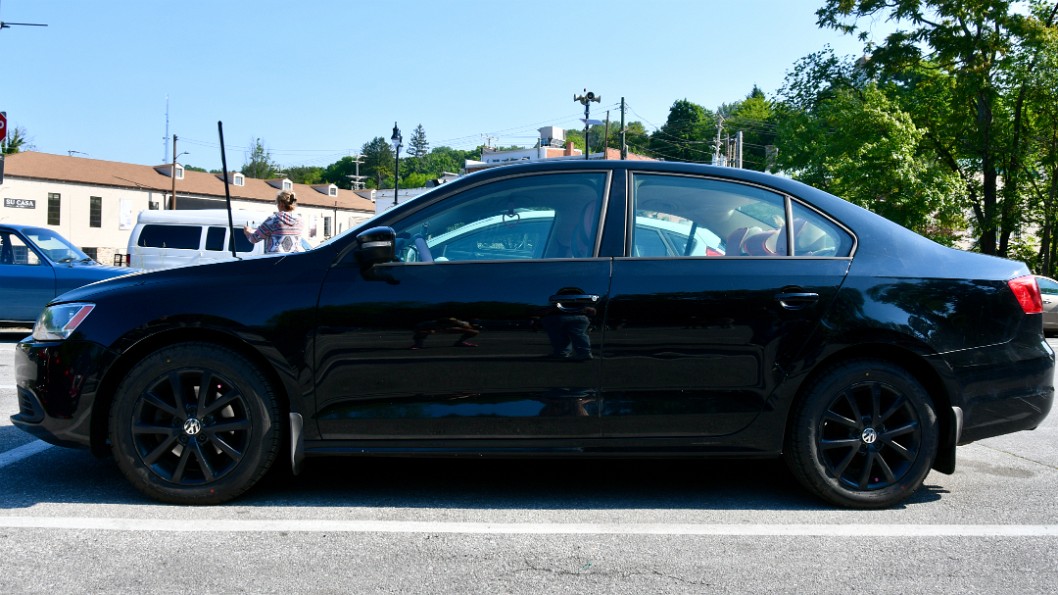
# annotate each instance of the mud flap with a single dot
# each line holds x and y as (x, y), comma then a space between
(945, 461)
(297, 444)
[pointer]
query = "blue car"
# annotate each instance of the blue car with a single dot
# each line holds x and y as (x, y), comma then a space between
(37, 264)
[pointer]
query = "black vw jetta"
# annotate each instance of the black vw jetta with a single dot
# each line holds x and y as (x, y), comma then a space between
(592, 309)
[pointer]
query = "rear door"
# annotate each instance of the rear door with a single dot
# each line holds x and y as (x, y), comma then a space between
(697, 335)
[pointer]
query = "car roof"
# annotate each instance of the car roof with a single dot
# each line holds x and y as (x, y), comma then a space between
(25, 227)
(201, 216)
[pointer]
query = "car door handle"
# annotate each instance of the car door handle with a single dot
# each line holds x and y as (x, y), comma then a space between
(573, 298)
(573, 303)
(796, 300)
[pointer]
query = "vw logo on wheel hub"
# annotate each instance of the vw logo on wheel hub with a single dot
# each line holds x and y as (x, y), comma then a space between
(192, 426)
(869, 436)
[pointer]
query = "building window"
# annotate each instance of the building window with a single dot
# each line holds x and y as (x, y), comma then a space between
(95, 212)
(332, 190)
(92, 253)
(240, 180)
(288, 185)
(54, 203)
(326, 227)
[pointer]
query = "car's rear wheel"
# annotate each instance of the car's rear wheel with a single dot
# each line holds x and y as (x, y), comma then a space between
(194, 423)
(864, 435)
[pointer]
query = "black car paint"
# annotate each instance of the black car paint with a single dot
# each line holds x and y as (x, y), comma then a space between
(708, 362)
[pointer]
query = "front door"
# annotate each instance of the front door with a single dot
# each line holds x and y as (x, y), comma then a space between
(488, 327)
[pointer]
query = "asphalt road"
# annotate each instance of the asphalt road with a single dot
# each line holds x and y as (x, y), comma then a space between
(69, 523)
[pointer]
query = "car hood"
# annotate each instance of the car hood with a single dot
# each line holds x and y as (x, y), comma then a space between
(206, 274)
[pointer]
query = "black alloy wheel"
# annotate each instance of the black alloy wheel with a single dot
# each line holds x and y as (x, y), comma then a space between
(194, 423)
(863, 436)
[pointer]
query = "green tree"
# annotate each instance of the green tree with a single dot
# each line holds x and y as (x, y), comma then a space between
(981, 123)
(636, 138)
(1037, 66)
(338, 172)
(687, 134)
(15, 141)
(856, 143)
(418, 147)
(753, 117)
(259, 162)
(378, 162)
(305, 174)
(444, 159)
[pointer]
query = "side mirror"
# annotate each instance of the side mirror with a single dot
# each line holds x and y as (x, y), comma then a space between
(376, 246)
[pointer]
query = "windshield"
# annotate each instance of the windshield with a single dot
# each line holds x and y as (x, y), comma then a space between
(55, 247)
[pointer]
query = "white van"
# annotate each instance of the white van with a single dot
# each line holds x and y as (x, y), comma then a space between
(167, 239)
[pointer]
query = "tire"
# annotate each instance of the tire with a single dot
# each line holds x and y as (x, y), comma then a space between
(864, 435)
(178, 444)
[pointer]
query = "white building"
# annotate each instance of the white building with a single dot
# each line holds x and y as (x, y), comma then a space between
(95, 203)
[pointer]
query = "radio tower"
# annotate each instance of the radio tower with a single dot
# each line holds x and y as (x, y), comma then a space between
(165, 140)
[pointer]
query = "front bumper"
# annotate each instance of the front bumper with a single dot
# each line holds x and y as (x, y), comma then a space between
(57, 384)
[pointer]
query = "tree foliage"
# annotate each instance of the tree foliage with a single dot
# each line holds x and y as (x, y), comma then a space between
(305, 174)
(686, 135)
(378, 162)
(418, 147)
(16, 141)
(259, 162)
(964, 53)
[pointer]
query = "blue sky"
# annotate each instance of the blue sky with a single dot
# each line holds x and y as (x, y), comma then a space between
(317, 79)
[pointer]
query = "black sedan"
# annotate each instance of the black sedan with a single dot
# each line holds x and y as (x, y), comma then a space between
(589, 308)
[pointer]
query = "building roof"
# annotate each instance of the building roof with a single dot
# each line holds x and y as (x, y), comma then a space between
(95, 172)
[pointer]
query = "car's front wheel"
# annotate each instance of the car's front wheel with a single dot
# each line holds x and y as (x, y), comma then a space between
(194, 423)
(864, 435)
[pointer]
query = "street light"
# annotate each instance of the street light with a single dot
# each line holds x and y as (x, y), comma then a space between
(396, 140)
(587, 98)
(172, 174)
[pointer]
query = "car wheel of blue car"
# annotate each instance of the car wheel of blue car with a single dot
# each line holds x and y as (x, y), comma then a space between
(194, 423)
(864, 435)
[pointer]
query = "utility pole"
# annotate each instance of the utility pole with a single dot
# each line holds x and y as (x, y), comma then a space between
(357, 181)
(606, 137)
(716, 145)
(738, 148)
(624, 147)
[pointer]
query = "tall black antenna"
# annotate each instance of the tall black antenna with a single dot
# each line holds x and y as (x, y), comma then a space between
(4, 25)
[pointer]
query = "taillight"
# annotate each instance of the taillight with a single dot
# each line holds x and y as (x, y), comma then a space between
(1027, 291)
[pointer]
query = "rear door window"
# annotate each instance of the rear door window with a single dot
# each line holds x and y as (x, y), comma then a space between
(178, 237)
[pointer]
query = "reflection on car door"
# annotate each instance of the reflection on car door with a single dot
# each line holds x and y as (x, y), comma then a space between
(28, 281)
(695, 346)
(436, 347)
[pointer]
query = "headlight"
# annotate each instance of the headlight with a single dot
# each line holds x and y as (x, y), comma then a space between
(57, 323)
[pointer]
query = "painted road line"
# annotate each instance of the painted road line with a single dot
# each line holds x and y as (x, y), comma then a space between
(856, 531)
(26, 450)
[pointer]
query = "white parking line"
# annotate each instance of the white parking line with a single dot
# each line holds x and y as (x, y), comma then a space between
(319, 526)
(26, 450)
